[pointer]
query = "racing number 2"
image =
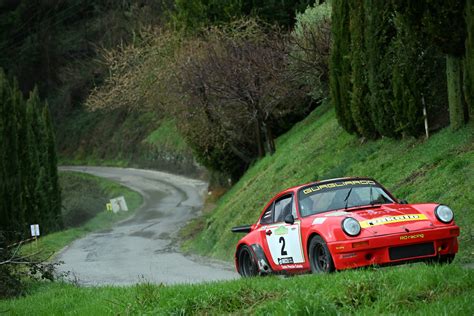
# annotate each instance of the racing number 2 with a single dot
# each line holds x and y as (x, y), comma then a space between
(283, 251)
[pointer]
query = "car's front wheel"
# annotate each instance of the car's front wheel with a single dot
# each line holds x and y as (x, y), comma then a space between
(246, 262)
(319, 256)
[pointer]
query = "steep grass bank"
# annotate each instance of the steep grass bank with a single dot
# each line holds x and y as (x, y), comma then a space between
(405, 290)
(440, 169)
(84, 198)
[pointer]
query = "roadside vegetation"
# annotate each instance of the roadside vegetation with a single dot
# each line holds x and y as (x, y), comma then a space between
(84, 210)
(408, 290)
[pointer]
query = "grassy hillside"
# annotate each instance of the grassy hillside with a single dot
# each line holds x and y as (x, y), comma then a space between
(440, 169)
(406, 290)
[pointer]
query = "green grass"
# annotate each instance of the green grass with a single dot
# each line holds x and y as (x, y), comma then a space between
(167, 136)
(406, 290)
(440, 169)
(93, 192)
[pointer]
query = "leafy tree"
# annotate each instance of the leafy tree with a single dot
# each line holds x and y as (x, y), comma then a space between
(309, 56)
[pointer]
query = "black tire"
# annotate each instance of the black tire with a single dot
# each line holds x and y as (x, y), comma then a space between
(319, 256)
(247, 263)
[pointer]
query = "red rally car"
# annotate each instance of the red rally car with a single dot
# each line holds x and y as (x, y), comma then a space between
(343, 223)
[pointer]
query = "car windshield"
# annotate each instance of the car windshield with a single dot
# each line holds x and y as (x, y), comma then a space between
(321, 198)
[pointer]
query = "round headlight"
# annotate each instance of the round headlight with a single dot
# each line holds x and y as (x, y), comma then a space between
(444, 214)
(351, 226)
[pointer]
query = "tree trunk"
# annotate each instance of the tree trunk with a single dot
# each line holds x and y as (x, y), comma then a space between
(270, 142)
(455, 98)
(258, 137)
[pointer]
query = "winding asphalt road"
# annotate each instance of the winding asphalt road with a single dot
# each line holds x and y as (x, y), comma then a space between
(144, 247)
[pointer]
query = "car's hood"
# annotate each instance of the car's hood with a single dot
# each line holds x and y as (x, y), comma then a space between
(390, 218)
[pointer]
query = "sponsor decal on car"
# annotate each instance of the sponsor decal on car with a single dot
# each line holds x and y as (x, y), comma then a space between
(393, 219)
(282, 230)
(287, 260)
(407, 237)
(292, 266)
(337, 184)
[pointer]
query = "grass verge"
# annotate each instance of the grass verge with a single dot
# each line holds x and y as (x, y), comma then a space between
(84, 199)
(406, 290)
(440, 169)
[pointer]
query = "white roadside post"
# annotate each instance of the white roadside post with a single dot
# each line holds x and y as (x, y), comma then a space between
(119, 204)
(35, 232)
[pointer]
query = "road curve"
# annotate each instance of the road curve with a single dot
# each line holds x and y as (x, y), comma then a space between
(144, 247)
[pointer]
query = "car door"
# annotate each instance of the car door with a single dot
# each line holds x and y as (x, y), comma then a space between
(283, 241)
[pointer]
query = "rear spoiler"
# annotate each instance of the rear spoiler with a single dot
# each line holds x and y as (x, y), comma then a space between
(242, 229)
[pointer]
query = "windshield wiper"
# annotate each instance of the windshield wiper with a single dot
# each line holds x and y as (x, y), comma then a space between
(347, 198)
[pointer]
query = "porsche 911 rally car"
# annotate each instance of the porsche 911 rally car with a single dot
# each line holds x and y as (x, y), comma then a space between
(340, 224)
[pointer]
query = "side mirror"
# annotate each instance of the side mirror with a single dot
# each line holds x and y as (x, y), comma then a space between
(289, 219)
(403, 201)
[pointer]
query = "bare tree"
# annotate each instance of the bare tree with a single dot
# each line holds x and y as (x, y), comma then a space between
(241, 79)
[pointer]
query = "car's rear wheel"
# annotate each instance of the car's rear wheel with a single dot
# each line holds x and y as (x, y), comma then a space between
(247, 263)
(319, 256)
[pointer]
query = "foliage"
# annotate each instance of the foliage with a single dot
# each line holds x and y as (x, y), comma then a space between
(192, 15)
(15, 267)
(236, 82)
(30, 193)
(359, 105)
(84, 212)
(379, 33)
(469, 59)
(440, 170)
(442, 25)
(408, 290)
(309, 54)
(340, 65)
(395, 66)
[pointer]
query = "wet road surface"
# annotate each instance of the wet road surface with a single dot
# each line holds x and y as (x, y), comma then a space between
(144, 247)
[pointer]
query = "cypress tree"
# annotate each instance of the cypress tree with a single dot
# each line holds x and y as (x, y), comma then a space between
(33, 206)
(469, 59)
(340, 65)
(54, 194)
(379, 34)
(3, 151)
(12, 180)
(441, 24)
(360, 93)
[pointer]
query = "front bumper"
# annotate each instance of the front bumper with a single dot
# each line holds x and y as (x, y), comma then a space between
(394, 248)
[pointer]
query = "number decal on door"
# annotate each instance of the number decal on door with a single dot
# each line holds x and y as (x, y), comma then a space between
(283, 251)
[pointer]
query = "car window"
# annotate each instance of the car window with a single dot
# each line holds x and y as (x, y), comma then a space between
(267, 217)
(282, 208)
